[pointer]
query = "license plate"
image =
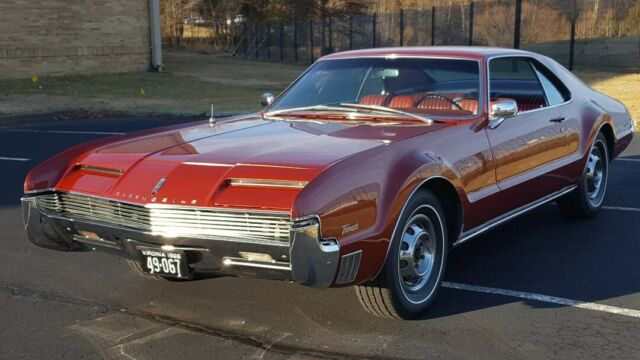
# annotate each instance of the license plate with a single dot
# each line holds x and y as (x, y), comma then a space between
(164, 263)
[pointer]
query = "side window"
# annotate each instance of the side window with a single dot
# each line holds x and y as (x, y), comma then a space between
(515, 78)
(556, 92)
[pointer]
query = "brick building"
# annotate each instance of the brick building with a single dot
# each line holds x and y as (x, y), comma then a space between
(57, 37)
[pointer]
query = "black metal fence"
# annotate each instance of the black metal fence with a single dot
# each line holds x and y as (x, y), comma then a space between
(566, 33)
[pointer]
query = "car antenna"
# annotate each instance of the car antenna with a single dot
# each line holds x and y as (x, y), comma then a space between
(212, 120)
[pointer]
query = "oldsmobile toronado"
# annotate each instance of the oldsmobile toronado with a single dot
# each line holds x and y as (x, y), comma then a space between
(366, 171)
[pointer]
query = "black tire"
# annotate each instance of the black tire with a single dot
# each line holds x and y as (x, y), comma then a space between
(400, 292)
(586, 200)
(137, 268)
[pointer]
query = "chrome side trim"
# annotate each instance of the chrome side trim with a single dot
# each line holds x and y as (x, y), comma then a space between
(510, 215)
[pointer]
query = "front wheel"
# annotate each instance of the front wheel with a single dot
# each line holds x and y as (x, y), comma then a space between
(412, 273)
(585, 201)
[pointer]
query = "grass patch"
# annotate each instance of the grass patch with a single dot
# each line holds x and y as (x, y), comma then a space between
(623, 87)
(192, 82)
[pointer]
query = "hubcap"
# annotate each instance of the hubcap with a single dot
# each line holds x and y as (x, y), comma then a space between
(595, 173)
(417, 252)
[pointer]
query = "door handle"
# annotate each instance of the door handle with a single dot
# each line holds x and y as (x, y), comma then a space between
(557, 120)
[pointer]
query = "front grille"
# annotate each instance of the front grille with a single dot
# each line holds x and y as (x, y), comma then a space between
(234, 225)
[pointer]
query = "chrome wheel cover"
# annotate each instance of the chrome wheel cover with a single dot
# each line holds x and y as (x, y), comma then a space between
(416, 254)
(596, 174)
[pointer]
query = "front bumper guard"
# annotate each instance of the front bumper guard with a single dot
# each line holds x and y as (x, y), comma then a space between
(307, 258)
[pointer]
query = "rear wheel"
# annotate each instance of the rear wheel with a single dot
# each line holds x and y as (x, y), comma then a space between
(412, 273)
(585, 201)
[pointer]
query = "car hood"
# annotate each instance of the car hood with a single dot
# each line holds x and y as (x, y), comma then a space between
(195, 165)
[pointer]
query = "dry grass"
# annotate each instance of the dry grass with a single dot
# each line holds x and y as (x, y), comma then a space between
(190, 85)
(623, 87)
(195, 31)
(192, 82)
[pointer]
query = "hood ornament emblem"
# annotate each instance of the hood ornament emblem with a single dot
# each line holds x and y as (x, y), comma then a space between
(159, 185)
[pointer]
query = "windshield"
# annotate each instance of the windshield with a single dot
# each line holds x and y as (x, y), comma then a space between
(415, 85)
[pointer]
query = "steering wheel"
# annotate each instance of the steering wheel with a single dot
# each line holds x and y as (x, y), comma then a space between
(435, 96)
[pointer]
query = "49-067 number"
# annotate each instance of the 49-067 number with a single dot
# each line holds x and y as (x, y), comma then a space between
(165, 266)
(165, 263)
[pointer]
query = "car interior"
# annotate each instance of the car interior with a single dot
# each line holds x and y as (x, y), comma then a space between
(510, 78)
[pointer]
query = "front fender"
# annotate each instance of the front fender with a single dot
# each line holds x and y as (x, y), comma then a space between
(359, 199)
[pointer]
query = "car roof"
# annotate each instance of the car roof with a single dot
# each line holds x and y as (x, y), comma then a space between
(469, 52)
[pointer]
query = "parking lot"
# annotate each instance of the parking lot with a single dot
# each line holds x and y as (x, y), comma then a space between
(538, 287)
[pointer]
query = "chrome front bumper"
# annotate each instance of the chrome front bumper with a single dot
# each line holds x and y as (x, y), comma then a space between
(306, 258)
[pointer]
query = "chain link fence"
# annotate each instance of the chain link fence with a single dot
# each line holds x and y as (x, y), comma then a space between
(572, 32)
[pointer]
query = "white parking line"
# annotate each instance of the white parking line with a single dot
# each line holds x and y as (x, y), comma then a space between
(623, 159)
(13, 159)
(621, 208)
(65, 132)
(544, 298)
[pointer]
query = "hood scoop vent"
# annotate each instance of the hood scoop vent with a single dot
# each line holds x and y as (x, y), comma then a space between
(286, 184)
(100, 170)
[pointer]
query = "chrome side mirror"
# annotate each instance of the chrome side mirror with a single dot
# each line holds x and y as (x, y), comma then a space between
(501, 110)
(266, 99)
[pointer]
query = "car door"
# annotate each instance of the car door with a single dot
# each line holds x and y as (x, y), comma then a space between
(530, 146)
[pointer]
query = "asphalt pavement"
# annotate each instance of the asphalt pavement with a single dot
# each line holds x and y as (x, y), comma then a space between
(538, 287)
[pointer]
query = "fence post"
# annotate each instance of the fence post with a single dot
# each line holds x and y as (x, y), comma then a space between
(516, 28)
(433, 25)
(268, 40)
(295, 37)
(331, 34)
(255, 40)
(311, 40)
(471, 10)
(373, 25)
(246, 32)
(281, 41)
(572, 41)
(350, 31)
(401, 27)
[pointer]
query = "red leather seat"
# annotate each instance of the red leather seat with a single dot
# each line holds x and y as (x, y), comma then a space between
(403, 101)
(373, 100)
(470, 105)
(435, 103)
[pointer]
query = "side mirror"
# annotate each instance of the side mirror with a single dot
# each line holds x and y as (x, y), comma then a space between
(266, 99)
(501, 110)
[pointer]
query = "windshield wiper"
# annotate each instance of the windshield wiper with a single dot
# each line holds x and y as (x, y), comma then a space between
(355, 108)
(387, 110)
(306, 108)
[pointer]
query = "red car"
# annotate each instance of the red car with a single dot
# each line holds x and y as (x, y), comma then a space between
(366, 171)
